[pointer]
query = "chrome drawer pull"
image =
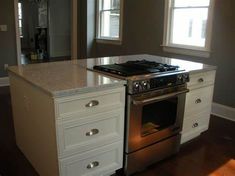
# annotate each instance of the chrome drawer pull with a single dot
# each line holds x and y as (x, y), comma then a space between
(195, 125)
(92, 103)
(198, 101)
(92, 132)
(201, 80)
(93, 165)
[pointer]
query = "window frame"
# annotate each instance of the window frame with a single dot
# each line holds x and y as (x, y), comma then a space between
(20, 19)
(108, 40)
(190, 50)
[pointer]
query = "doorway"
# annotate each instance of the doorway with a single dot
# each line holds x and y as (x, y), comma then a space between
(46, 30)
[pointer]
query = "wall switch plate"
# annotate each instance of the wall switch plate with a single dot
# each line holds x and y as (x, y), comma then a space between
(3, 28)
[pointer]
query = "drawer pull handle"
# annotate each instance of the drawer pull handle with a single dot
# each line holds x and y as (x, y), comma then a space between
(93, 165)
(201, 80)
(198, 101)
(92, 132)
(92, 103)
(195, 125)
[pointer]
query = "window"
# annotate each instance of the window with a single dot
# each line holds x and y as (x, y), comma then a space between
(188, 27)
(20, 19)
(109, 20)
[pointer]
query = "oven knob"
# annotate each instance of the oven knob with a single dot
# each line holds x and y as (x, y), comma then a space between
(145, 85)
(136, 86)
(183, 78)
(180, 77)
(186, 77)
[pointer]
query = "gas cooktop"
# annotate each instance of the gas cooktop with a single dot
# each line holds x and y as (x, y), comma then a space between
(159, 75)
(140, 67)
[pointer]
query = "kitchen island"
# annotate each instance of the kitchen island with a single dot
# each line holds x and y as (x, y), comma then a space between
(69, 120)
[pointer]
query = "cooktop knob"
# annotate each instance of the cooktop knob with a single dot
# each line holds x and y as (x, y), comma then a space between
(145, 85)
(186, 77)
(183, 78)
(180, 77)
(136, 86)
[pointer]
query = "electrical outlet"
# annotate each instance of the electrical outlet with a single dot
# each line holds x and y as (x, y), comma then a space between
(5, 66)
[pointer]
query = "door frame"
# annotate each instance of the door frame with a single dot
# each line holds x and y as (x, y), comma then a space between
(18, 43)
(74, 27)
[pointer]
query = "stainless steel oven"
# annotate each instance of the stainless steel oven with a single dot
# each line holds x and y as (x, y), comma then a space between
(154, 109)
(154, 121)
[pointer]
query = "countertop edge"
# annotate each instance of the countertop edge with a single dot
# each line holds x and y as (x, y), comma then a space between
(28, 81)
(70, 92)
(209, 68)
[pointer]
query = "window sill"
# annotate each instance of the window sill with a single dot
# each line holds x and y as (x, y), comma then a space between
(109, 41)
(186, 51)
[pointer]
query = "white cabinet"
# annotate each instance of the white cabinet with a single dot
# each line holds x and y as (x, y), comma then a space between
(98, 162)
(77, 135)
(198, 104)
(90, 133)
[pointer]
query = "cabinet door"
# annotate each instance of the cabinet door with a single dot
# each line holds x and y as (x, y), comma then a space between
(198, 100)
(90, 132)
(201, 79)
(195, 125)
(90, 103)
(99, 162)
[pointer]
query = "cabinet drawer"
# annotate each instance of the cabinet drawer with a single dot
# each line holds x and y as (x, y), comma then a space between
(196, 124)
(90, 103)
(201, 79)
(198, 100)
(90, 132)
(102, 161)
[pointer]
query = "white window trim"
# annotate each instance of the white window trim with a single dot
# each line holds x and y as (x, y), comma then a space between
(185, 49)
(20, 19)
(109, 40)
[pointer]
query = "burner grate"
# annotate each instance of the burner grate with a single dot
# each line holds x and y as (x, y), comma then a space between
(138, 67)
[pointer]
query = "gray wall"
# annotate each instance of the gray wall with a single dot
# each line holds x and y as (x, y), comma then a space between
(59, 28)
(143, 31)
(7, 39)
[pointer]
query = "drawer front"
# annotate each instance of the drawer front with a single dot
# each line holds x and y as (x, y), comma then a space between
(197, 123)
(90, 103)
(201, 79)
(89, 132)
(99, 162)
(197, 100)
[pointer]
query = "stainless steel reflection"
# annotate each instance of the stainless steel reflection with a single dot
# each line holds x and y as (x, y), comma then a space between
(146, 100)
(137, 142)
(154, 114)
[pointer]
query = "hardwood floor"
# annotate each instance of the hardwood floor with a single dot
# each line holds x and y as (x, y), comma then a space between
(211, 154)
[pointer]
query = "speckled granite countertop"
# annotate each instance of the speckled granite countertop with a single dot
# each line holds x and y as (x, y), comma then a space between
(64, 78)
(189, 66)
(76, 76)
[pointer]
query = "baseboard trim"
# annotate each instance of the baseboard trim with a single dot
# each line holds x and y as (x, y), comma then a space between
(4, 81)
(225, 112)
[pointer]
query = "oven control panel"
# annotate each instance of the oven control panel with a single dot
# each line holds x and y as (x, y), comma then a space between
(159, 82)
(141, 86)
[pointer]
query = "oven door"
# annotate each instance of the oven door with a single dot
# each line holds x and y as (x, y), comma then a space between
(153, 117)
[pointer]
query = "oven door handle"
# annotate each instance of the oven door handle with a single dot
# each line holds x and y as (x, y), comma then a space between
(159, 98)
